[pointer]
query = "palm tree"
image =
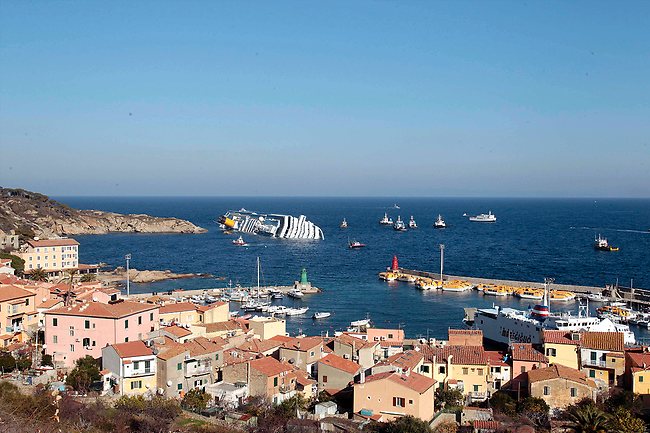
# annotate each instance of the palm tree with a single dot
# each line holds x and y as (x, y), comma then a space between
(85, 278)
(38, 274)
(69, 295)
(587, 419)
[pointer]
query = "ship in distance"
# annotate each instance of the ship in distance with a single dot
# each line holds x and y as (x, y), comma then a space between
(272, 225)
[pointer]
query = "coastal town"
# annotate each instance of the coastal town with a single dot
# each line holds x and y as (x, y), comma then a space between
(57, 317)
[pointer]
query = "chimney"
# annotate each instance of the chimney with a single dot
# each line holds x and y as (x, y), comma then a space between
(362, 376)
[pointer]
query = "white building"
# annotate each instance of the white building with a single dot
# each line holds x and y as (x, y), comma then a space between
(52, 255)
(5, 267)
(133, 364)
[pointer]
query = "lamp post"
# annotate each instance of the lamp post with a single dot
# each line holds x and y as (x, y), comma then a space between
(442, 260)
(128, 287)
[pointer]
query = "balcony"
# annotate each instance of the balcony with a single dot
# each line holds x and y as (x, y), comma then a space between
(140, 372)
(478, 396)
(285, 389)
(197, 371)
(594, 363)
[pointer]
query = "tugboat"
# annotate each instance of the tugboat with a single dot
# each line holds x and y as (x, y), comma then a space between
(355, 244)
(344, 224)
(399, 225)
(239, 242)
(440, 223)
(386, 220)
(601, 244)
(412, 223)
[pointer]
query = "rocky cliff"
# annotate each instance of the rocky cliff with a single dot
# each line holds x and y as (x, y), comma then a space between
(33, 214)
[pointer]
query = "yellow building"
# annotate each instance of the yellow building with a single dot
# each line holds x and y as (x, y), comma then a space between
(133, 367)
(17, 309)
(392, 395)
(267, 327)
(192, 314)
(52, 255)
(637, 373)
(561, 347)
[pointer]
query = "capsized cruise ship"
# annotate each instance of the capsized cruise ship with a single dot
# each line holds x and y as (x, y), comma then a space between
(505, 325)
(273, 225)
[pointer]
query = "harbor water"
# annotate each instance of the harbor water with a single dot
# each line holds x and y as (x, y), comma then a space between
(532, 239)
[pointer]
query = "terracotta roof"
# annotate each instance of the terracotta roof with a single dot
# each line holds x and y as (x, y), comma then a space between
(132, 349)
(495, 358)
(9, 292)
(204, 308)
(525, 352)
(466, 355)
(177, 307)
(557, 371)
(558, 337)
(50, 303)
(230, 325)
(170, 349)
(342, 364)
(357, 342)
(97, 309)
(300, 344)
(414, 381)
(5, 262)
(52, 242)
(177, 331)
(486, 424)
(236, 356)
(405, 360)
(639, 360)
(201, 346)
(609, 341)
(259, 346)
(269, 366)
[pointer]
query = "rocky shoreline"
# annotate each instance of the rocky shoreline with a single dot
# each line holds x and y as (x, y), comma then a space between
(32, 214)
(144, 276)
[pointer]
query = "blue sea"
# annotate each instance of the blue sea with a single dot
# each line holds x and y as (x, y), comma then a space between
(532, 239)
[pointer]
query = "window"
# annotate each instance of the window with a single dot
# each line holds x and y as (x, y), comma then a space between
(136, 384)
(324, 379)
(546, 390)
(594, 356)
(497, 369)
(55, 339)
(640, 378)
(150, 316)
(465, 370)
(399, 402)
(476, 388)
(179, 366)
(410, 401)
(592, 373)
(479, 372)
(198, 383)
(551, 352)
(87, 324)
(55, 321)
(275, 381)
(126, 324)
(179, 387)
(573, 392)
(523, 368)
(27, 301)
(71, 331)
(424, 368)
(86, 342)
(126, 340)
(147, 366)
(312, 353)
(442, 369)
(136, 365)
(72, 348)
(390, 336)
(139, 320)
(216, 357)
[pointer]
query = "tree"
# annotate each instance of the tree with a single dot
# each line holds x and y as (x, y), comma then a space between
(147, 415)
(86, 278)
(504, 403)
(448, 398)
(84, 373)
(623, 421)
(624, 399)
(586, 419)
(47, 360)
(290, 407)
(7, 362)
(535, 409)
(16, 262)
(405, 424)
(38, 274)
(196, 400)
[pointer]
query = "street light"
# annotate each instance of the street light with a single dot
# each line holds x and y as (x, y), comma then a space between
(128, 287)
(442, 260)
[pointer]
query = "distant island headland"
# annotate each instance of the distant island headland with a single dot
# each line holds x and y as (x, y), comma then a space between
(33, 214)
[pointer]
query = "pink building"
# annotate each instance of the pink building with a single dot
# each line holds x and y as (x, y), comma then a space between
(85, 328)
(395, 336)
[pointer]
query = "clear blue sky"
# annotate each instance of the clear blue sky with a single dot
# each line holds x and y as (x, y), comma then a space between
(467, 98)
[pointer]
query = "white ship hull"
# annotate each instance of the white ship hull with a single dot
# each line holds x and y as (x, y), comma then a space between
(274, 225)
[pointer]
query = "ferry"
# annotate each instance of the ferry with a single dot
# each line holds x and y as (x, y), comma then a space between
(321, 315)
(601, 244)
(440, 223)
(272, 225)
(344, 224)
(386, 220)
(399, 225)
(484, 218)
(412, 223)
(240, 242)
(355, 244)
(506, 325)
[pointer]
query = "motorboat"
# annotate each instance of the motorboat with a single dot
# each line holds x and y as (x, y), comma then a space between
(296, 311)
(360, 323)
(277, 295)
(240, 242)
(355, 244)
(399, 225)
(388, 276)
(412, 223)
(530, 293)
(456, 286)
(596, 297)
(484, 218)
(426, 284)
(601, 244)
(395, 206)
(295, 293)
(321, 315)
(386, 220)
(344, 224)
(562, 295)
(440, 223)
(496, 291)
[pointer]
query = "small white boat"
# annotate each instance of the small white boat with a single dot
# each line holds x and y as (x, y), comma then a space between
(295, 293)
(321, 315)
(596, 297)
(358, 323)
(277, 295)
(412, 223)
(386, 220)
(240, 242)
(395, 206)
(296, 311)
(440, 223)
(344, 224)
(484, 218)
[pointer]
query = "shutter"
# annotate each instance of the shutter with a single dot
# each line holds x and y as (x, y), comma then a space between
(394, 401)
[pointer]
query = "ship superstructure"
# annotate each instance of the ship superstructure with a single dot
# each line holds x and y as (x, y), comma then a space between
(273, 225)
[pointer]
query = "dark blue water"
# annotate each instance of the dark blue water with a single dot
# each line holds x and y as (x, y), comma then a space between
(532, 239)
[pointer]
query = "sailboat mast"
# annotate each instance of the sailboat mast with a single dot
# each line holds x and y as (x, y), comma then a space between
(258, 277)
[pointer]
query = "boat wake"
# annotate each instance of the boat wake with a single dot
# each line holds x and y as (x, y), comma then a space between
(645, 232)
